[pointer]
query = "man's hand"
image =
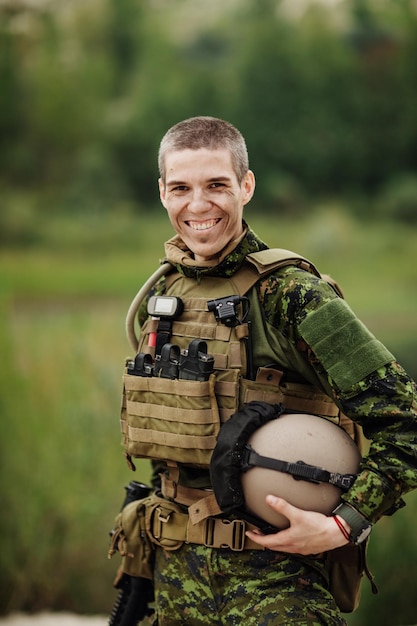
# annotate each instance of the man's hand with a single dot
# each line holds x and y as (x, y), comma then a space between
(309, 532)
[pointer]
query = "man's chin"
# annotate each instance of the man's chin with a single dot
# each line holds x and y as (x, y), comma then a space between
(205, 251)
(206, 254)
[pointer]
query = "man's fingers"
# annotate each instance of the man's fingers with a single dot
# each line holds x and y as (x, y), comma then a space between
(280, 505)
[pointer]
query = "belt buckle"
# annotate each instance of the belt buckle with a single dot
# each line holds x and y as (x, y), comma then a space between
(224, 533)
(160, 518)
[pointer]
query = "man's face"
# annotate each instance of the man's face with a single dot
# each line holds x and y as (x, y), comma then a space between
(204, 199)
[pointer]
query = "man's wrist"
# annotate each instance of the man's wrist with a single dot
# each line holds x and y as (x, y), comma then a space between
(359, 526)
(343, 527)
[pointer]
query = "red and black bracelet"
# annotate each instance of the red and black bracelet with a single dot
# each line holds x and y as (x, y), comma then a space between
(341, 528)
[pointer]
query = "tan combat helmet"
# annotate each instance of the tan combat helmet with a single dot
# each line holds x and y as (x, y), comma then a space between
(303, 458)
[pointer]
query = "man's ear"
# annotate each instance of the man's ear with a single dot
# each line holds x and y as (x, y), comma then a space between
(248, 186)
(162, 192)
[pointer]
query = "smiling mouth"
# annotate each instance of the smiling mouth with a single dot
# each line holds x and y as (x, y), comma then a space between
(203, 225)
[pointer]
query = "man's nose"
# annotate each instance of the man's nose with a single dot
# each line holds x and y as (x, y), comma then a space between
(199, 201)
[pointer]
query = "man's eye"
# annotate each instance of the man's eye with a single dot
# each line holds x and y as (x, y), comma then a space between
(216, 185)
(180, 188)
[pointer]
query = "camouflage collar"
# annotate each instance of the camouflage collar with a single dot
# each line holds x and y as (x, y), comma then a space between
(181, 257)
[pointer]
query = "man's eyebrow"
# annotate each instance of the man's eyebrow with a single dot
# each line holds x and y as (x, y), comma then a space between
(216, 179)
(212, 179)
(175, 182)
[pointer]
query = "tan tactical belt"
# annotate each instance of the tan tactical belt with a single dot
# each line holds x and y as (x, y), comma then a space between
(180, 494)
(170, 528)
(170, 525)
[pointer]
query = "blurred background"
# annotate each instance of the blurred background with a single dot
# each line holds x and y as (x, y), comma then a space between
(325, 94)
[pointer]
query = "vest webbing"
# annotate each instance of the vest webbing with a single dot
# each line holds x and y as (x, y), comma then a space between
(178, 420)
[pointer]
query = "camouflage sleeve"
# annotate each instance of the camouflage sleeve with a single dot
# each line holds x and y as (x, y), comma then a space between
(360, 374)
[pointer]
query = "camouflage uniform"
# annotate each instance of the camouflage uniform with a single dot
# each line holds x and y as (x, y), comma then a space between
(198, 585)
(325, 342)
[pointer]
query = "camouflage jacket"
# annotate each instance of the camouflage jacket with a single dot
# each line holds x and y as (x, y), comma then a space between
(343, 359)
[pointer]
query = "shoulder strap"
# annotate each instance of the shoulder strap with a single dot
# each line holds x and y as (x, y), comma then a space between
(273, 258)
(264, 262)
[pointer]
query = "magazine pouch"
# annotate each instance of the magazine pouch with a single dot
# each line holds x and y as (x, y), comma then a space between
(173, 419)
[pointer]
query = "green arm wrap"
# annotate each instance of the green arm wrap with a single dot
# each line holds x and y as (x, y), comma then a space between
(341, 342)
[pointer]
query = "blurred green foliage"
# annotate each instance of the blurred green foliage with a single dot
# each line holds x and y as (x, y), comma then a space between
(326, 99)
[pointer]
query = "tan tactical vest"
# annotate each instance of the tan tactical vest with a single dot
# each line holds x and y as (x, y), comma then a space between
(178, 420)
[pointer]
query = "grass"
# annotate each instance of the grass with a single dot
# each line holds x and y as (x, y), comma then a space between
(63, 470)
(62, 341)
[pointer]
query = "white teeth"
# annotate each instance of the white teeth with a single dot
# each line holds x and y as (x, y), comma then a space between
(202, 225)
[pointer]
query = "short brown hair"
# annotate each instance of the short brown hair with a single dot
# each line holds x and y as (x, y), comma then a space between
(213, 133)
